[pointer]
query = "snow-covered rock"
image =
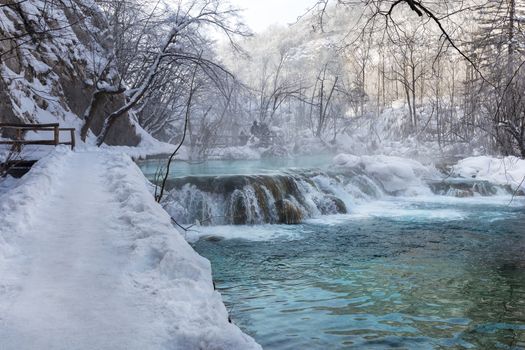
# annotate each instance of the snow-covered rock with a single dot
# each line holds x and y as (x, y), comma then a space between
(501, 171)
(397, 175)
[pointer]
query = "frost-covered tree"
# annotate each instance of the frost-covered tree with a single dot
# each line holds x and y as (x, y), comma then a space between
(158, 41)
(487, 37)
(498, 45)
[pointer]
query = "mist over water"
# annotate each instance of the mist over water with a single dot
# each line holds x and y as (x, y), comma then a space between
(235, 167)
(287, 191)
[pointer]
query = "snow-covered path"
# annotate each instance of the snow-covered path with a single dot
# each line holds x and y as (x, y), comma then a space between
(81, 280)
(72, 292)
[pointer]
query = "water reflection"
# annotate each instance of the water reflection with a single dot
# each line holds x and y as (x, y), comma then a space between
(233, 167)
(498, 303)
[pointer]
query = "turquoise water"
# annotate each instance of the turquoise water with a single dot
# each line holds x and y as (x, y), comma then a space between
(430, 272)
(233, 167)
(433, 273)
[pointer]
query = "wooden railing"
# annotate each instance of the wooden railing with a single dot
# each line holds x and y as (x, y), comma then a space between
(20, 129)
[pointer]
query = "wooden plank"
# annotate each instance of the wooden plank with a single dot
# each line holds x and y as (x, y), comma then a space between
(27, 126)
(32, 129)
(18, 163)
(55, 127)
(28, 142)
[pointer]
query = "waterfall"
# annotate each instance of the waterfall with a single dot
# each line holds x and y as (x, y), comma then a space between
(289, 197)
(256, 199)
(467, 188)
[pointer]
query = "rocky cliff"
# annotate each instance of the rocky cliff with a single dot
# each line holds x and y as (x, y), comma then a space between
(52, 53)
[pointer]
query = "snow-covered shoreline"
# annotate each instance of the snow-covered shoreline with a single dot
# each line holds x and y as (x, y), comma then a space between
(160, 271)
(504, 171)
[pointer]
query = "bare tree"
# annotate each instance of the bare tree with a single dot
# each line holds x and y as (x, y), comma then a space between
(182, 45)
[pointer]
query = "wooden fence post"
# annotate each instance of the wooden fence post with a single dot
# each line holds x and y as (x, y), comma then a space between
(72, 131)
(18, 145)
(56, 134)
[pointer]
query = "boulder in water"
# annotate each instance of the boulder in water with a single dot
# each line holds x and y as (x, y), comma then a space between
(339, 204)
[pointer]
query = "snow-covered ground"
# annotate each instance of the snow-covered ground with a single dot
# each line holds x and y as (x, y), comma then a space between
(407, 175)
(502, 171)
(89, 261)
(396, 174)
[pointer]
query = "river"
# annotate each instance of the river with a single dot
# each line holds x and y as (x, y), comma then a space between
(417, 272)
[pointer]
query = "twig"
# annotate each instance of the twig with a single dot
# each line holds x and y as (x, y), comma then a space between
(516, 191)
(186, 119)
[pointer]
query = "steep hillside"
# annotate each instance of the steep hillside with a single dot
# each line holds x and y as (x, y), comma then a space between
(51, 54)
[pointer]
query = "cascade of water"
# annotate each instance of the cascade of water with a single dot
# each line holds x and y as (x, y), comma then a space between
(292, 196)
(467, 188)
(283, 198)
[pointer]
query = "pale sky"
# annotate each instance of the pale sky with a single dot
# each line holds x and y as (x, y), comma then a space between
(259, 14)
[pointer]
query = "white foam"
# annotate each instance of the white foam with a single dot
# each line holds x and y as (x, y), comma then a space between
(425, 208)
(397, 210)
(498, 200)
(391, 210)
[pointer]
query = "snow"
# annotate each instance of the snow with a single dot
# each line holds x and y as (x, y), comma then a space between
(503, 171)
(148, 146)
(236, 153)
(90, 261)
(400, 176)
(7, 183)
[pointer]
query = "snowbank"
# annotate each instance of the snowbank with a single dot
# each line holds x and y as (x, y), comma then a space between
(19, 203)
(160, 267)
(167, 265)
(399, 176)
(148, 146)
(6, 183)
(501, 171)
